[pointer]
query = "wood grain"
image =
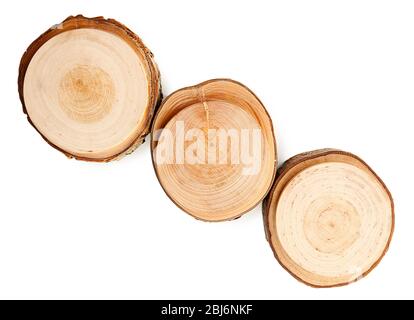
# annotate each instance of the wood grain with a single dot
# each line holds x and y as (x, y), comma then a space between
(90, 87)
(329, 218)
(215, 192)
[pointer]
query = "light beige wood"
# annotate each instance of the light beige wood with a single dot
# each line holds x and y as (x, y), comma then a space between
(90, 89)
(329, 218)
(220, 190)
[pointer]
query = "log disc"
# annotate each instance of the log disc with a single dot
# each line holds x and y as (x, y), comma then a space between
(90, 87)
(329, 218)
(215, 186)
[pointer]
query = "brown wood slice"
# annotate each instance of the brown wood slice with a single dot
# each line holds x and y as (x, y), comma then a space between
(328, 218)
(90, 87)
(214, 187)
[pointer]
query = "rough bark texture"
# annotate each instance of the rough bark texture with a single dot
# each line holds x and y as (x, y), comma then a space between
(285, 173)
(114, 27)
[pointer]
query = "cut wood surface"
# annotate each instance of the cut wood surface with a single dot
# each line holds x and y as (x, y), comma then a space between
(215, 191)
(328, 218)
(90, 87)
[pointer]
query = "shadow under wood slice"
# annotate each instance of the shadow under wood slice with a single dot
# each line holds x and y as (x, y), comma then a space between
(329, 218)
(214, 150)
(90, 87)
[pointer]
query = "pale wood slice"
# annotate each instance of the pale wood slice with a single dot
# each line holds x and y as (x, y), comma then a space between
(329, 218)
(222, 190)
(90, 87)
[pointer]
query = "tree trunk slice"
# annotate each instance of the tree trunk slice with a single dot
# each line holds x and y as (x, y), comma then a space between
(328, 218)
(90, 87)
(220, 190)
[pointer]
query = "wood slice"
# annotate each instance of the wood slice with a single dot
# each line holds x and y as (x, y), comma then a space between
(90, 87)
(213, 187)
(328, 218)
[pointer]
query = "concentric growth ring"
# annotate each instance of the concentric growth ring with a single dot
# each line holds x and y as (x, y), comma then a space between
(329, 218)
(222, 147)
(90, 87)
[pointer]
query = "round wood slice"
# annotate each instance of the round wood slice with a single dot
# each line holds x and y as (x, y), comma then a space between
(328, 218)
(215, 190)
(90, 87)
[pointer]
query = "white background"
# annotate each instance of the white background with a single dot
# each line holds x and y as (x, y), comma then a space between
(331, 73)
